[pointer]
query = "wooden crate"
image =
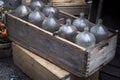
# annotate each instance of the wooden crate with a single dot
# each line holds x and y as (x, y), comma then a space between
(73, 8)
(5, 50)
(37, 68)
(68, 55)
(61, 1)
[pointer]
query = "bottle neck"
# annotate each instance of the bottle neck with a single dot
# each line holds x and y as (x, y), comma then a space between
(68, 22)
(23, 2)
(36, 9)
(86, 29)
(99, 22)
(50, 3)
(82, 15)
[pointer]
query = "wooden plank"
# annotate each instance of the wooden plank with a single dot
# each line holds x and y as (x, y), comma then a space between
(69, 4)
(52, 48)
(74, 10)
(62, 1)
(36, 67)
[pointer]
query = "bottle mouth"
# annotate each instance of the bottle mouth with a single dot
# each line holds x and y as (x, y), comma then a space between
(68, 22)
(82, 14)
(99, 21)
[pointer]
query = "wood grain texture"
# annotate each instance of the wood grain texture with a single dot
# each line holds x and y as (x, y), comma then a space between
(36, 67)
(74, 10)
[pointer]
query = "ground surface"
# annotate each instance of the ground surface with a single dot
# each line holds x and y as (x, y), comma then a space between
(8, 71)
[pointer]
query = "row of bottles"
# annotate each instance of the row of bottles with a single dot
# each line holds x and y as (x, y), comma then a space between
(39, 14)
(87, 36)
(24, 10)
(46, 17)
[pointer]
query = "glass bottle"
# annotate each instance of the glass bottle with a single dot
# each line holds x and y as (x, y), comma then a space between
(50, 8)
(99, 31)
(50, 23)
(85, 39)
(80, 23)
(38, 4)
(36, 17)
(67, 31)
(1, 11)
(22, 11)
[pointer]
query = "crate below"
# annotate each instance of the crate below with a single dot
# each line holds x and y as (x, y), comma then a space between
(5, 50)
(38, 68)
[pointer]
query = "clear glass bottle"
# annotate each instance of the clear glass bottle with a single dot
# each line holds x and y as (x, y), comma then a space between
(1, 11)
(50, 8)
(37, 3)
(100, 31)
(67, 31)
(80, 23)
(22, 11)
(36, 17)
(50, 23)
(85, 39)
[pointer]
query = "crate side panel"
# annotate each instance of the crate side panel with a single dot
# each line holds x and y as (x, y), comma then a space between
(101, 55)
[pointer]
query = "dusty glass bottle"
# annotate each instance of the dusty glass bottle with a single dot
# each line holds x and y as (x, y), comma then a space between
(50, 8)
(67, 31)
(37, 3)
(36, 17)
(85, 39)
(1, 11)
(80, 22)
(22, 11)
(100, 31)
(50, 23)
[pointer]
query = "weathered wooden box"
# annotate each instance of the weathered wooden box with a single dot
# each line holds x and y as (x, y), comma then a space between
(68, 55)
(37, 68)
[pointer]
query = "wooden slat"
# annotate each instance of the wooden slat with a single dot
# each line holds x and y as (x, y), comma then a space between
(74, 10)
(69, 4)
(62, 1)
(36, 67)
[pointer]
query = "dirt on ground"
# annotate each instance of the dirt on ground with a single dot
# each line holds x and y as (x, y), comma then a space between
(9, 71)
